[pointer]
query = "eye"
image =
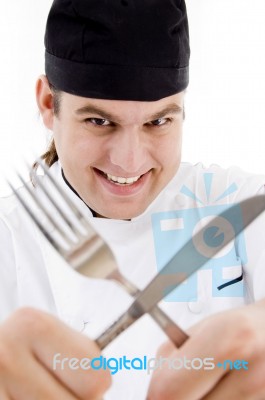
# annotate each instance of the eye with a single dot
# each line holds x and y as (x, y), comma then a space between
(98, 121)
(159, 122)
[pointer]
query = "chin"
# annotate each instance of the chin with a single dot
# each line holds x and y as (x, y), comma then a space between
(121, 214)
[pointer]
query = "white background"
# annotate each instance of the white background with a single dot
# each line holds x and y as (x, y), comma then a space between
(225, 103)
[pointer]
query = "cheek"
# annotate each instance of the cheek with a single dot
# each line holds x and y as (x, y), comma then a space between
(75, 157)
(73, 146)
(87, 151)
(169, 151)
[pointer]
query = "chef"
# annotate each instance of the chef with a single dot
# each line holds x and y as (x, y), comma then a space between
(113, 96)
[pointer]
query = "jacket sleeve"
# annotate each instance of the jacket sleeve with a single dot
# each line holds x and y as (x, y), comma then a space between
(258, 240)
(8, 280)
(254, 270)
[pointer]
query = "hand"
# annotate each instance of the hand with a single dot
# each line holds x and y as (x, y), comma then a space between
(232, 335)
(29, 339)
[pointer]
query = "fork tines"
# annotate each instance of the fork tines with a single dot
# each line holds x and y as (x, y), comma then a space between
(68, 225)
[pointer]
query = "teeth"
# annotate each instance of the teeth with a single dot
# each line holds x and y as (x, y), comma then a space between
(122, 180)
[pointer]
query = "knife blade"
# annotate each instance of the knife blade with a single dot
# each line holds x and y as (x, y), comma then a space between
(184, 263)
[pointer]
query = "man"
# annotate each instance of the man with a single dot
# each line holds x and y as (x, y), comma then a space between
(113, 95)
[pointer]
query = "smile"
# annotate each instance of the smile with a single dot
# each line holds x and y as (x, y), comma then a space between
(122, 185)
(119, 180)
(122, 180)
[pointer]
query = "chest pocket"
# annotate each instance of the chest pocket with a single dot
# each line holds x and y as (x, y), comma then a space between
(228, 280)
(227, 265)
(227, 271)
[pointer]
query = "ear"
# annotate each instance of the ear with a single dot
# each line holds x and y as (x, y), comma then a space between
(44, 99)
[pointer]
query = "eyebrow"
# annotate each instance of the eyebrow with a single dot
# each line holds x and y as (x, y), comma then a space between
(169, 109)
(172, 108)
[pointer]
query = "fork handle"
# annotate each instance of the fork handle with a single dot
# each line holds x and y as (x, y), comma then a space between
(120, 325)
(171, 329)
(175, 334)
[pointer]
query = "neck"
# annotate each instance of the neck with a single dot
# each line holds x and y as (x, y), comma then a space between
(95, 215)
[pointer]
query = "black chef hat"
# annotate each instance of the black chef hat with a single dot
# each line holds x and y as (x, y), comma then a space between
(118, 49)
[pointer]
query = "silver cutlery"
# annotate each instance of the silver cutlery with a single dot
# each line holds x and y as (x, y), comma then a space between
(183, 264)
(79, 244)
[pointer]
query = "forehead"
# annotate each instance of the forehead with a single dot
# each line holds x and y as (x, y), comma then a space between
(120, 109)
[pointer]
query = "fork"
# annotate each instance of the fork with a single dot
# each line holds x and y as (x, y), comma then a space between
(81, 246)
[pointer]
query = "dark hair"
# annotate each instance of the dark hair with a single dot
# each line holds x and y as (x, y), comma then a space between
(50, 156)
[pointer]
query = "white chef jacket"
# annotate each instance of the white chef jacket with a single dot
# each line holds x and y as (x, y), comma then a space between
(33, 274)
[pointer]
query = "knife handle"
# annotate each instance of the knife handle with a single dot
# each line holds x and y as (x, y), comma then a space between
(173, 331)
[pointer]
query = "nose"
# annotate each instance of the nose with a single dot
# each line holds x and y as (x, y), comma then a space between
(128, 151)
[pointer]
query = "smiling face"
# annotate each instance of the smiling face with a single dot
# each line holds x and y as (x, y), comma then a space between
(118, 155)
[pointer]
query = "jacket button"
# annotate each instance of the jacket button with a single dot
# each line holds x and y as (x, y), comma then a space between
(195, 306)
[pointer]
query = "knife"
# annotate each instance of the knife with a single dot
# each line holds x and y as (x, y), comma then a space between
(184, 263)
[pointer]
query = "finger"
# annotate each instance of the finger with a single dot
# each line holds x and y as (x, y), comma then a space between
(71, 345)
(4, 396)
(185, 375)
(192, 372)
(45, 336)
(241, 384)
(43, 386)
(206, 341)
